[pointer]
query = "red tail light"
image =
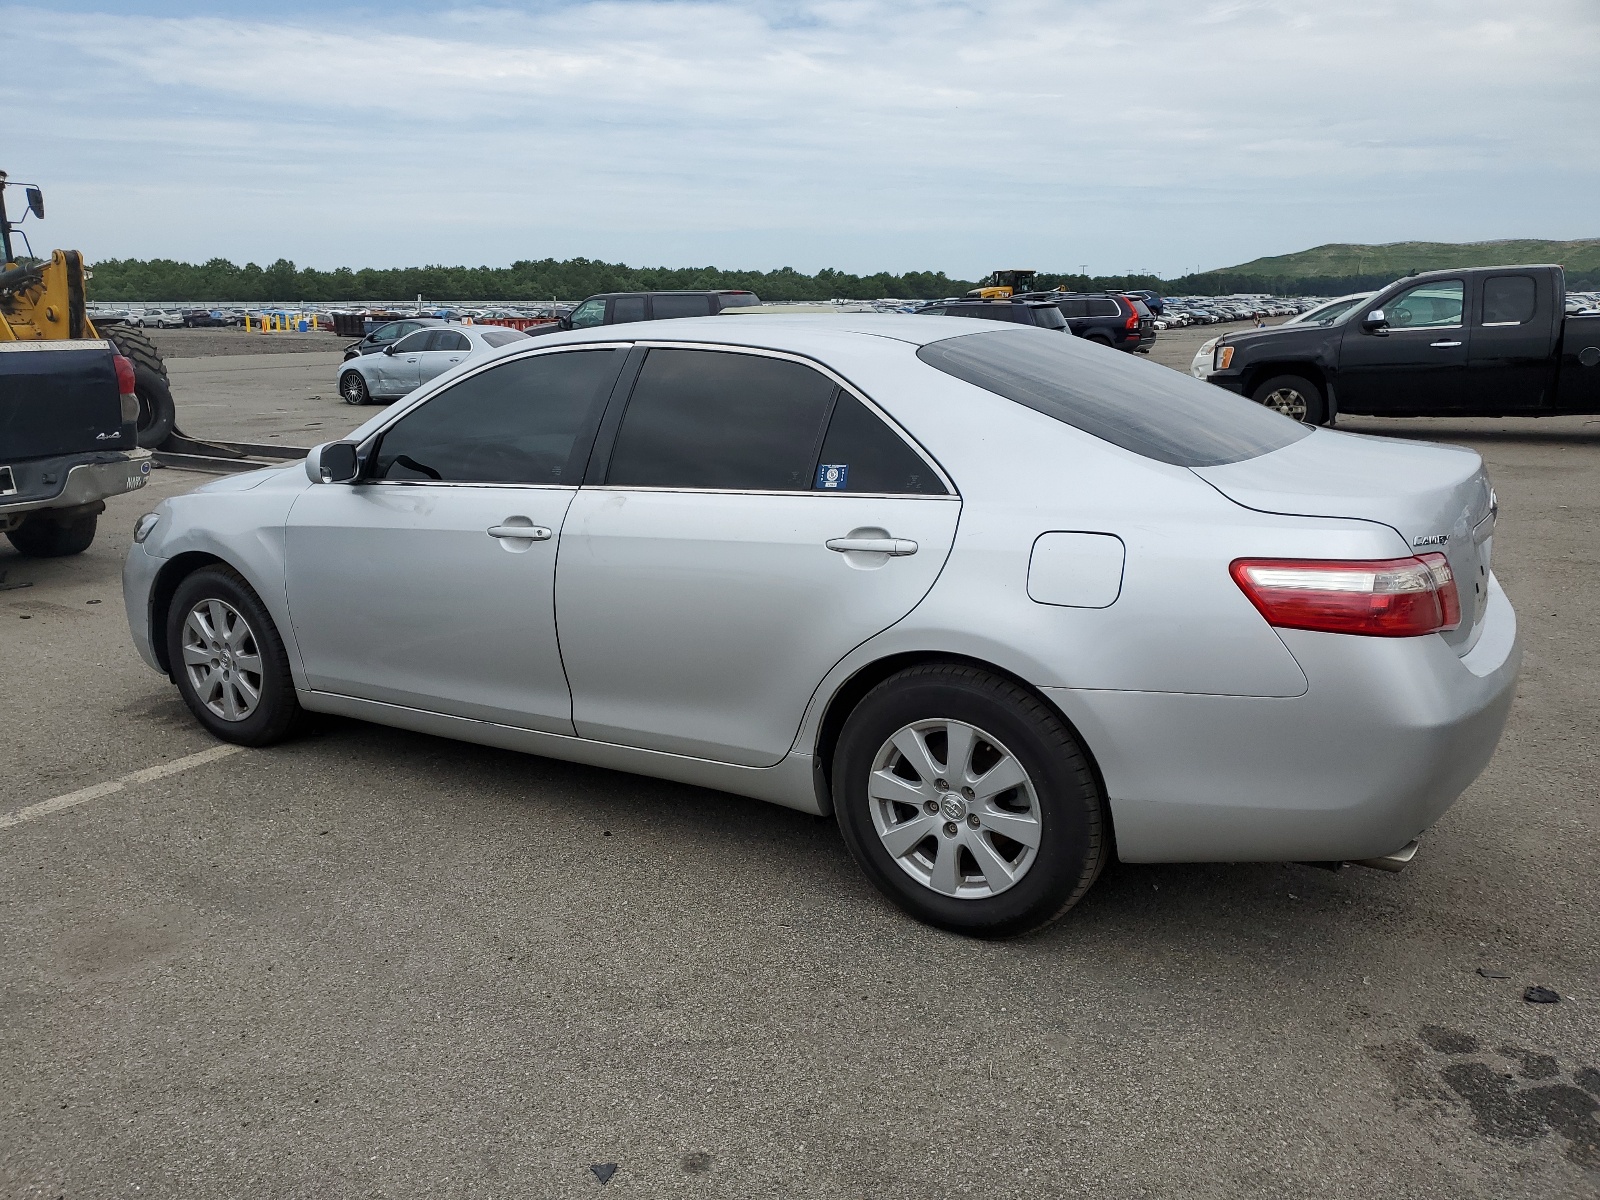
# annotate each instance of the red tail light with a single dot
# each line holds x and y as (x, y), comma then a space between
(1394, 597)
(125, 383)
(1133, 316)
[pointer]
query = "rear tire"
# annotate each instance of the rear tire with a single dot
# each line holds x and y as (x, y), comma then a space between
(354, 388)
(1294, 396)
(229, 663)
(939, 847)
(39, 537)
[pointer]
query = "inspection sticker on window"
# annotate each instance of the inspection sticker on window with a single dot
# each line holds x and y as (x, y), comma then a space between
(831, 476)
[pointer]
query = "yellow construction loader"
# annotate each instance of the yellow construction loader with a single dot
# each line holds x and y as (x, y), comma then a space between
(43, 300)
(1002, 285)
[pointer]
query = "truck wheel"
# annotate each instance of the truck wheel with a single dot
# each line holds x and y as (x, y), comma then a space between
(135, 344)
(40, 537)
(228, 660)
(1293, 396)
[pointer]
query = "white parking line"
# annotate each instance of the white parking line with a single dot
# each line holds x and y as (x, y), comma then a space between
(72, 799)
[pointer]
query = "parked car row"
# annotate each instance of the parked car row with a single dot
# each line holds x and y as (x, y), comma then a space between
(1116, 319)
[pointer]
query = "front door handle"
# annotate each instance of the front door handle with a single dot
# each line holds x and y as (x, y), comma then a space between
(895, 547)
(1444, 345)
(531, 533)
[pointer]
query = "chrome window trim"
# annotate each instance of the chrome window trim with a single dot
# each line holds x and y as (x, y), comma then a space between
(692, 491)
(952, 493)
(465, 483)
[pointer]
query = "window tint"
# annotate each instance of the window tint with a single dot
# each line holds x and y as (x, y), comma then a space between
(515, 423)
(386, 333)
(1104, 308)
(1508, 299)
(590, 312)
(414, 342)
(872, 457)
(627, 309)
(449, 339)
(1140, 406)
(1074, 308)
(1049, 317)
(1428, 305)
(667, 307)
(704, 419)
(738, 299)
(503, 337)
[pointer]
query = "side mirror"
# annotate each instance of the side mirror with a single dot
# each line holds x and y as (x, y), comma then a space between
(1375, 322)
(332, 462)
(566, 322)
(389, 349)
(35, 202)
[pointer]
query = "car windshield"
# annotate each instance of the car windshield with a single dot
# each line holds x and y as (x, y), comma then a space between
(1139, 406)
(1330, 314)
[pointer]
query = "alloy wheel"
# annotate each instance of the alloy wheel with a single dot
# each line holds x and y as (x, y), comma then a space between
(222, 659)
(1288, 401)
(954, 808)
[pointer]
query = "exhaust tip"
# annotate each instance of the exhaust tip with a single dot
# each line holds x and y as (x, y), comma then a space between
(1398, 861)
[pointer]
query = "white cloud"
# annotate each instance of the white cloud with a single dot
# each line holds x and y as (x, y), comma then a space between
(863, 134)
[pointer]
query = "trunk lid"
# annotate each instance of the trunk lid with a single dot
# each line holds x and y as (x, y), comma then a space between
(59, 398)
(1437, 498)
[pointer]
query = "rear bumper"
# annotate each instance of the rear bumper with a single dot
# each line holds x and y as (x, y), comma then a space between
(1388, 735)
(81, 484)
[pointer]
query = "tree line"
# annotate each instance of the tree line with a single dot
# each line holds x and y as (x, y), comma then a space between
(124, 279)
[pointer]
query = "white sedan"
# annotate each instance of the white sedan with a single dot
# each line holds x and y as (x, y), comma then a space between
(418, 358)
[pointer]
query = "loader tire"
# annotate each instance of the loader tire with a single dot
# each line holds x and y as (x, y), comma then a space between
(157, 411)
(134, 344)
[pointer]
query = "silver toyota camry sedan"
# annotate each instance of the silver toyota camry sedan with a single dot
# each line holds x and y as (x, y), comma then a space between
(1003, 603)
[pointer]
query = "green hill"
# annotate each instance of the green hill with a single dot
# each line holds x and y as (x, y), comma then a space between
(1343, 260)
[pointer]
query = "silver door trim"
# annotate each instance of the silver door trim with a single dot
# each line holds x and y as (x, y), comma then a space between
(697, 491)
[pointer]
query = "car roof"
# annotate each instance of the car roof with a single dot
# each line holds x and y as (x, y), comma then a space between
(810, 335)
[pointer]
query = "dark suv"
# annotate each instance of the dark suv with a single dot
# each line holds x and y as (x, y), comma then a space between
(1109, 318)
(1041, 313)
(622, 308)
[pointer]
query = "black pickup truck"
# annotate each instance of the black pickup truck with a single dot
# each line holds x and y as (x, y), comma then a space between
(1484, 341)
(68, 439)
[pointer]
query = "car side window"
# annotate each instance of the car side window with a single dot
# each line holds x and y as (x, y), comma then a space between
(1104, 308)
(1074, 308)
(627, 309)
(590, 312)
(449, 339)
(383, 333)
(514, 423)
(413, 342)
(1426, 306)
(862, 454)
(710, 419)
(1508, 300)
(665, 308)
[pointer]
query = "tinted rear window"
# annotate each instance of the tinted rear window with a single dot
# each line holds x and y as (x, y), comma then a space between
(1140, 406)
(503, 337)
(667, 308)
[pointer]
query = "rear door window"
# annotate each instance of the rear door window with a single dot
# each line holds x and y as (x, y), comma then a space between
(515, 423)
(449, 339)
(665, 308)
(862, 454)
(1140, 406)
(1509, 300)
(707, 419)
(1104, 307)
(627, 309)
(1074, 308)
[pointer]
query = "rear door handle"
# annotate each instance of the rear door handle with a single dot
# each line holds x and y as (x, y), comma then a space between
(1444, 345)
(896, 547)
(532, 533)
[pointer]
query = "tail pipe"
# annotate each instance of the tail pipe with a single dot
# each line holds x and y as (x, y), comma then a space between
(1398, 861)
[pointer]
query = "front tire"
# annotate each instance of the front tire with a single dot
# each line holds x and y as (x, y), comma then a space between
(968, 802)
(229, 663)
(354, 388)
(39, 537)
(1295, 397)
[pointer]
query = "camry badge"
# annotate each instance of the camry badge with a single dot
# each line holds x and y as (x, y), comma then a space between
(1432, 539)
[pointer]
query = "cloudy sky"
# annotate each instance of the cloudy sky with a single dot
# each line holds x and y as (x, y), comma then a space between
(862, 134)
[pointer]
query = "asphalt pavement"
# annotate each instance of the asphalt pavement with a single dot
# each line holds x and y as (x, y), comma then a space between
(373, 963)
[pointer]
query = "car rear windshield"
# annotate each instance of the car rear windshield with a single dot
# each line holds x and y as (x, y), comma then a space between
(503, 337)
(1149, 409)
